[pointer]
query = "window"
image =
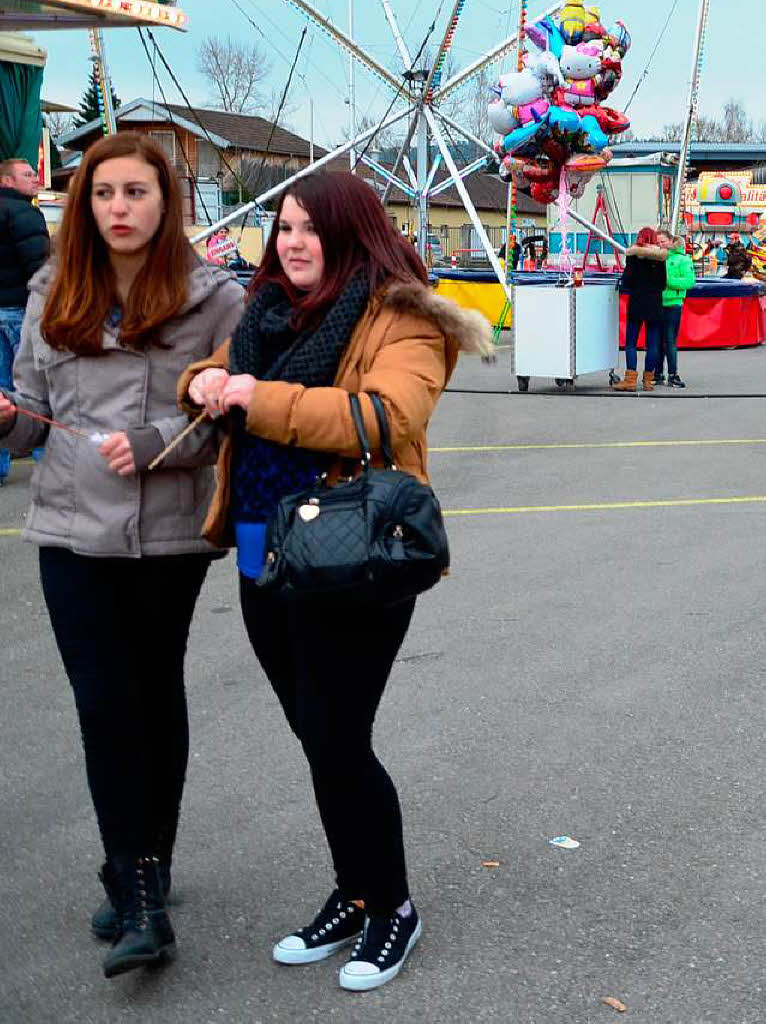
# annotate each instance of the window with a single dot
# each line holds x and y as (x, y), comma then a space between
(208, 161)
(167, 143)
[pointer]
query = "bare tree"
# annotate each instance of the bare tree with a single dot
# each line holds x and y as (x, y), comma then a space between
(59, 123)
(233, 71)
(474, 109)
(736, 125)
(270, 108)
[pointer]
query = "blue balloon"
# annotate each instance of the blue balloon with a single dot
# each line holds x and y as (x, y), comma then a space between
(595, 133)
(564, 120)
(521, 136)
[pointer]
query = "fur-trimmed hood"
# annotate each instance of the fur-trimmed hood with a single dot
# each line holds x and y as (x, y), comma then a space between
(649, 252)
(469, 330)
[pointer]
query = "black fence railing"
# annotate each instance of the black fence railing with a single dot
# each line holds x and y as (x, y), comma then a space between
(461, 247)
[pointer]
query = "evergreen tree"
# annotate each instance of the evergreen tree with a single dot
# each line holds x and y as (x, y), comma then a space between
(89, 103)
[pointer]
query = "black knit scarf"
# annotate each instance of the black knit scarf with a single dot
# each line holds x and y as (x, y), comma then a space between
(267, 346)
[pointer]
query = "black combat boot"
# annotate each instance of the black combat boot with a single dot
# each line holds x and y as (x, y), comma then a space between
(145, 932)
(103, 923)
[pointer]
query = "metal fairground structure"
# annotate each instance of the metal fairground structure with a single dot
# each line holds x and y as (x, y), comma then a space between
(423, 92)
(691, 112)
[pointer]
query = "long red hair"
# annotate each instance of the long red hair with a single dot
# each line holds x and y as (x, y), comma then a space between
(646, 236)
(355, 233)
(84, 290)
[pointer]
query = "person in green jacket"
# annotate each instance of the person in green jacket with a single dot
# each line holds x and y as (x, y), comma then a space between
(681, 277)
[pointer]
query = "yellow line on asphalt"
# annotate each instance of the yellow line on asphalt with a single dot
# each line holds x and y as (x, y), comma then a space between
(9, 533)
(606, 506)
(598, 444)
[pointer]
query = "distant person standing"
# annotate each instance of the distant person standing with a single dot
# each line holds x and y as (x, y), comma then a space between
(737, 257)
(716, 253)
(24, 247)
(515, 253)
(644, 280)
(681, 277)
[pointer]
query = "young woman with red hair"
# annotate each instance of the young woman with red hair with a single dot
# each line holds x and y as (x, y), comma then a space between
(644, 279)
(112, 320)
(340, 304)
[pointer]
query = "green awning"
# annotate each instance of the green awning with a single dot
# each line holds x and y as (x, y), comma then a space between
(20, 119)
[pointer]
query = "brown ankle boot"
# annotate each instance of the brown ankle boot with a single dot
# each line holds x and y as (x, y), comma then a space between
(648, 380)
(629, 382)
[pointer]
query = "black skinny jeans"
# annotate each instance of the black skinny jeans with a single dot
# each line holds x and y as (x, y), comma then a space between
(121, 626)
(329, 664)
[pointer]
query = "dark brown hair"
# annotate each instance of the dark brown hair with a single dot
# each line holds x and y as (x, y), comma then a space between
(84, 289)
(355, 232)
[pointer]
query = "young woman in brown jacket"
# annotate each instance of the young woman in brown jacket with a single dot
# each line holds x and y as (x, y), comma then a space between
(341, 304)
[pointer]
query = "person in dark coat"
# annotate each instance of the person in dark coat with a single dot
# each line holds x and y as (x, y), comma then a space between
(515, 252)
(644, 279)
(737, 257)
(24, 247)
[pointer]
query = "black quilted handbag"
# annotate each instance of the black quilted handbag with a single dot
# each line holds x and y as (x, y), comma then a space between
(379, 537)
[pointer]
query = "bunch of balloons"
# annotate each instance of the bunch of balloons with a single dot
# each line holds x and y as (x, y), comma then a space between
(550, 116)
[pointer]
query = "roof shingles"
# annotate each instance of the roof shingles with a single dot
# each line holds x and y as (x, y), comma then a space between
(246, 131)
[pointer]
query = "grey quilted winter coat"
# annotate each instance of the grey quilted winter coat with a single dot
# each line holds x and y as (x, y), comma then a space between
(77, 502)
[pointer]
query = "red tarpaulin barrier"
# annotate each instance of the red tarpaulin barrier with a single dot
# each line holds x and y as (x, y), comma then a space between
(719, 322)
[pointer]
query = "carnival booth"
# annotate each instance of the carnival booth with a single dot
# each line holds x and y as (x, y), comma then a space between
(718, 313)
(471, 289)
(561, 329)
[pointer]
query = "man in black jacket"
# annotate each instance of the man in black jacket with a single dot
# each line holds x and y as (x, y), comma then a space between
(24, 247)
(737, 257)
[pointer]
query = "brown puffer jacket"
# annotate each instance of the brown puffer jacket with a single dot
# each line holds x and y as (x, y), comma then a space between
(404, 347)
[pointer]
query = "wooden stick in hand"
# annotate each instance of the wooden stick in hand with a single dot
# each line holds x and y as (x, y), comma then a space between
(177, 440)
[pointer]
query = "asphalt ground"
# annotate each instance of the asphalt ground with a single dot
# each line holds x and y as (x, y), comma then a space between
(592, 667)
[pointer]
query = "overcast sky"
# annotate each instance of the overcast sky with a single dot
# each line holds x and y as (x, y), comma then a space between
(733, 62)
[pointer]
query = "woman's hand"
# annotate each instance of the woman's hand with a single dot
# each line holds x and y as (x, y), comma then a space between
(205, 389)
(7, 410)
(118, 452)
(238, 391)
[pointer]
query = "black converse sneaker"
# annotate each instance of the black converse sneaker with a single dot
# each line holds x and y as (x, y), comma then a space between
(336, 925)
(380, 951)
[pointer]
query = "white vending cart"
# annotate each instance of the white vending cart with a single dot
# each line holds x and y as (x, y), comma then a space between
(562, 331)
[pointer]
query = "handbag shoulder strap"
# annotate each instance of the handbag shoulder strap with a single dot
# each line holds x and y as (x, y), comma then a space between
(361, 433)
(385, 432)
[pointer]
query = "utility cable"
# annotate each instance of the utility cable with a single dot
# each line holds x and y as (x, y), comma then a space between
(412, 66)
(645, 73)
(193, 112)
(192, 175)
(318, 70)
(275, 122)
